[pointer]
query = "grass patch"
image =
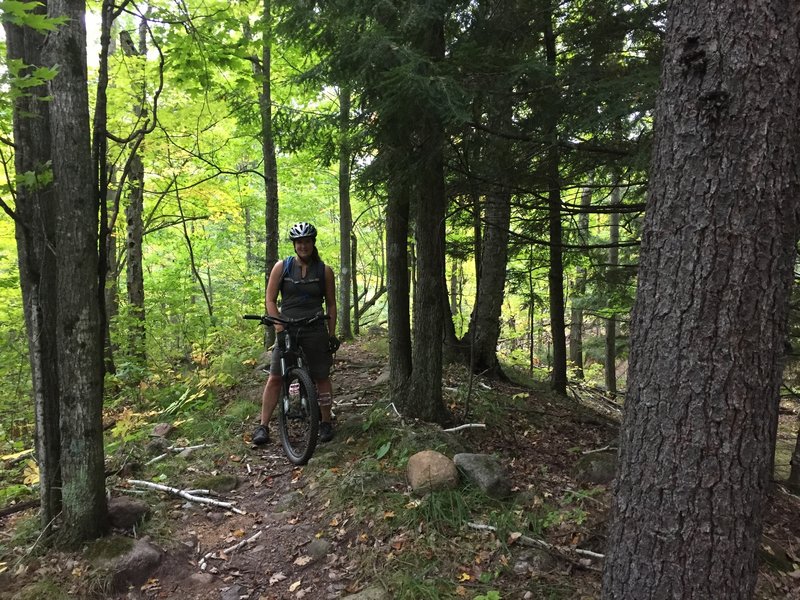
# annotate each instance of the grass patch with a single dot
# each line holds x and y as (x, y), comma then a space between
(42, 589)
(108, 548)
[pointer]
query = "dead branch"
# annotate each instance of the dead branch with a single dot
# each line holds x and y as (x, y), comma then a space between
(176, 450)
(185, 494)
(467, 426)
(603, 449)
(12, 459)
(242, 544)
(18, 507)
(563, 551)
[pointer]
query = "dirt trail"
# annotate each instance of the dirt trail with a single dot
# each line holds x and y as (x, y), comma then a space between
(295, 555)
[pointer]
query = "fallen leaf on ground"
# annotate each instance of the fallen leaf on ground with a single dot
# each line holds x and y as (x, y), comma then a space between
(277, 577)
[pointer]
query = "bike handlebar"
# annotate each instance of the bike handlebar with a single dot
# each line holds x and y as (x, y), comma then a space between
(270, 321)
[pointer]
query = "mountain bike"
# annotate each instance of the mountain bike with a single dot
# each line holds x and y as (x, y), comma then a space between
(298, 406)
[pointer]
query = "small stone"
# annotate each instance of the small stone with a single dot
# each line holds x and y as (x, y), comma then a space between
(521, 567)
(161, 430)
(201, 578)
(233, 592)
(157, 446)
(319, 548)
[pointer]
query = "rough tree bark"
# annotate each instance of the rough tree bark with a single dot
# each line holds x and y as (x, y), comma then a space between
(79, 326)
(484, 327)
(35, 225)
(709, 321)
(134, 272)
(424, 395)
(397, 283)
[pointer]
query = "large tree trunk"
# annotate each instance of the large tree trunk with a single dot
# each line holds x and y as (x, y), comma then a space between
(79, 330)
(345, 216)
(270, 159)
(35, 234)
(484, 328)
(709, 321)
(424, 398)
(397, 283)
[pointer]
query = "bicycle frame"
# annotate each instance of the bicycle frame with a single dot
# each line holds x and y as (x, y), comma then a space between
(298, 409)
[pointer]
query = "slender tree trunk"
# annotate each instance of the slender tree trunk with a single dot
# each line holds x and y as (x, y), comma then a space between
(556, 272)
(111, 279)
(206, 289)
(354, 281)
(250, 258)
(611, 322)
(793, 482)
(104, 175)
(79, 328)
(270, 159)
(576, 312)
(453, 289)
(35, 225)
(709, 322)
(134, 270)
(345, 215)
(135, 226)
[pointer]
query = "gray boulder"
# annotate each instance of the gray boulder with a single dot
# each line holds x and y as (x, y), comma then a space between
(486, 472)
(125, 513)
(598, 468)
(135, 567)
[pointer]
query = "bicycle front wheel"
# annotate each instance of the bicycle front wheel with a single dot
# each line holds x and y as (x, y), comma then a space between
(298, 416)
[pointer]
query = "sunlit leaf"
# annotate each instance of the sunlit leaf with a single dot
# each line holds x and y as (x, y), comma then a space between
(383, 450)
(31, 473)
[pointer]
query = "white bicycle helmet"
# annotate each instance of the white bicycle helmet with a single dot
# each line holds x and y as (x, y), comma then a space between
(302, 230)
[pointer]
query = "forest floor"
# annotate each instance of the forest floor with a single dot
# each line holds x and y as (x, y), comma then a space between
(347, 523)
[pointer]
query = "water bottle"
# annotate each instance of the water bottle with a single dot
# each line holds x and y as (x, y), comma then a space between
(294, 388)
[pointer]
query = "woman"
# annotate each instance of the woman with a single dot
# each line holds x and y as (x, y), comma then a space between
(303, 288)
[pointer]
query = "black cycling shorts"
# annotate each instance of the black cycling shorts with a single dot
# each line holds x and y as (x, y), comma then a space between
(314, 343)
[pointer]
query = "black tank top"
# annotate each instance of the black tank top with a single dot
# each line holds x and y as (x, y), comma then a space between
(302, 296)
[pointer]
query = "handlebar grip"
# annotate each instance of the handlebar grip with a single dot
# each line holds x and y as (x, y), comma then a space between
(252, 317)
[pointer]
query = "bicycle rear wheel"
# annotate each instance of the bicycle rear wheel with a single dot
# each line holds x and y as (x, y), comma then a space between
(298, 416)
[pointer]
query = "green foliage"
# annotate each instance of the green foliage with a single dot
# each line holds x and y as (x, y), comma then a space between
(28, 14)
(14, 492)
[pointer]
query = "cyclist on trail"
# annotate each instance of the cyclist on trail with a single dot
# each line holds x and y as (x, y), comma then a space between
(304, 282)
